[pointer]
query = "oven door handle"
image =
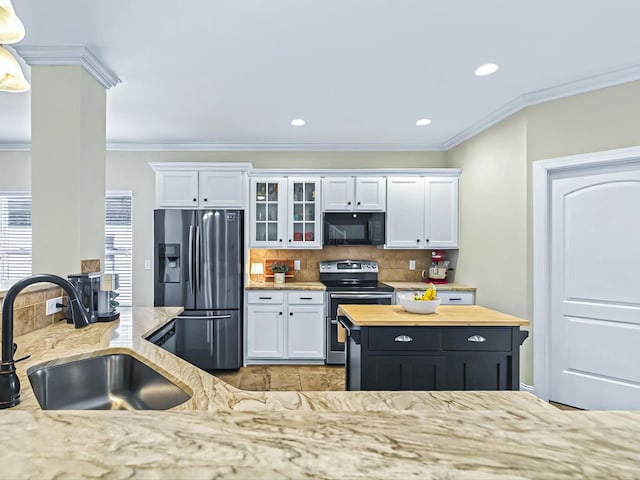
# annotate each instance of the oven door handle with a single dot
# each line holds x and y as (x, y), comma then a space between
(360, 295)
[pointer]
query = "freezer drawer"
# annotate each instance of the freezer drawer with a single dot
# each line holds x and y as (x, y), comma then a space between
(210, 340)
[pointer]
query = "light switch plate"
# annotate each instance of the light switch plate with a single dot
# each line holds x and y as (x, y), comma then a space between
(412, 264)
(296, 264)
(147, 264)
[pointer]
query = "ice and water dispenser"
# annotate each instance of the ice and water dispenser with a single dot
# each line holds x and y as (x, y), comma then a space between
(169, 262)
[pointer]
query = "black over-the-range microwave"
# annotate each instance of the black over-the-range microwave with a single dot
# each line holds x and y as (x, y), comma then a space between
(354, 228)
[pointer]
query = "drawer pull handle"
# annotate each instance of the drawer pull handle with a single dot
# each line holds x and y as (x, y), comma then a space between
(403, 338)
(455, 299)
(265, 298)
(476, 338)
(306, 298)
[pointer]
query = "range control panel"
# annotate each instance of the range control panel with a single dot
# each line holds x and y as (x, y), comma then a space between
(344, 266)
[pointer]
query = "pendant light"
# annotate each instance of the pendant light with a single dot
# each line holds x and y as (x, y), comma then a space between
(11, 28)
(11, 31)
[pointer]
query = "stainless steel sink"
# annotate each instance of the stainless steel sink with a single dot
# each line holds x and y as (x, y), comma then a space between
(106, 382)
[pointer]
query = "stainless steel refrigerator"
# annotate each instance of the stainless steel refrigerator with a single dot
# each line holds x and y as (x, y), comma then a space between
(199, 265)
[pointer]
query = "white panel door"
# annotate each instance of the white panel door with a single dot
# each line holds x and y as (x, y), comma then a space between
(305, 332)
(594, 353)
(405, 212)
(371, 194)
(265, 331)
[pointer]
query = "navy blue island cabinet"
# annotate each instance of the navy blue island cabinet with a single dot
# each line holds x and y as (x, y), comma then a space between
(442, 351)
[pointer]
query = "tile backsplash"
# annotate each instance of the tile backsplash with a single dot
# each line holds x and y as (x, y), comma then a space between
(394, 264)
(30, 307)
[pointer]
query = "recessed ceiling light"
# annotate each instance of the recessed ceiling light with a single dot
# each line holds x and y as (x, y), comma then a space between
(298, 122)
(486, 69)
(423, 122)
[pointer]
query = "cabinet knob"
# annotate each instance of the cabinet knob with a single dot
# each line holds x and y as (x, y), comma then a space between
(280, 240)
(418, 240)
(291, 314)
(348, 203)
(279, 313)
(195, 199)
(427, 240)
(206, 200)
(359, 203)
(289, 239)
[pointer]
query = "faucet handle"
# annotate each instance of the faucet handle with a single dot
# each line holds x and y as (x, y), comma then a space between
(15, 348)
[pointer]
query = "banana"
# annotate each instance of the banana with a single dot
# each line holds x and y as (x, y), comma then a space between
(429, 294)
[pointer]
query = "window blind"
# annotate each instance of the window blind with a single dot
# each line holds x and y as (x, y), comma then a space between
(15, 236)
(119, 242)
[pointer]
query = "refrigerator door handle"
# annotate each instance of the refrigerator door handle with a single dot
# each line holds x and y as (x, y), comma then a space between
(198, 258)
(191, 259)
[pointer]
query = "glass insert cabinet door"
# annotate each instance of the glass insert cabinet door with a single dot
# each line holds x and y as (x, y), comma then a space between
(268, 198)
(304, 211)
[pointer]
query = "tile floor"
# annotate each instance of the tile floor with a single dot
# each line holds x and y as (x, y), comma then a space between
(286, 377)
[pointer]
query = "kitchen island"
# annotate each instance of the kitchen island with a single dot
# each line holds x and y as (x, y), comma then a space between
(225, 432)
(455, 348)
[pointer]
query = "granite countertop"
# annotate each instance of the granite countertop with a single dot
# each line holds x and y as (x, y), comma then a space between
(422, 285)
(285, 286)
(445, 315)
(230, 433)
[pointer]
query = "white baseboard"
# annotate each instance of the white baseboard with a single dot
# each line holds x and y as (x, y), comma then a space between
(526, 388)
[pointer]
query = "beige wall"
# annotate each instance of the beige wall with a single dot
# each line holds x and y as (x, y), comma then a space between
(68, 125)
(16, 171)
(496, 188)
(493, 220)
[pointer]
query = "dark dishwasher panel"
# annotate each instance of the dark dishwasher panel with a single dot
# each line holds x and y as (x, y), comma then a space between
(165, 337)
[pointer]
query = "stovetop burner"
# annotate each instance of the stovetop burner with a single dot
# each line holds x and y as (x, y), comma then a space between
(353, 275)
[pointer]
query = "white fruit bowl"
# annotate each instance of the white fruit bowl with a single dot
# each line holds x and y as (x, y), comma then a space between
(418, 306)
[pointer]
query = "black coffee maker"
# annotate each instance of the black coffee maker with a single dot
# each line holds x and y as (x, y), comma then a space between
(97, 293)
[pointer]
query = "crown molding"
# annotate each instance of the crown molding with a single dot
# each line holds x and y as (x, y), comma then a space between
(69, 56)
(629, 73)
(273, 147)
(15, 147)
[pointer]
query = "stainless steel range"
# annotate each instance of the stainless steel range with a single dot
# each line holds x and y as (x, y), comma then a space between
(349, 282)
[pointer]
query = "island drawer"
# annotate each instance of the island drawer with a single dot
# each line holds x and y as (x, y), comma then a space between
(265, 296)
(404, 339)
(493, 339)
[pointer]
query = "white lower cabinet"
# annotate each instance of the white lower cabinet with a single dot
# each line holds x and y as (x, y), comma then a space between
(285, 326)
(447, 297)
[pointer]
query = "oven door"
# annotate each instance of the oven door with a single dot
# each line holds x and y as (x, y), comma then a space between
(335, 349)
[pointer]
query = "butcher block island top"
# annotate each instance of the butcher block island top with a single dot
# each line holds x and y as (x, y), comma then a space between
(444, 316)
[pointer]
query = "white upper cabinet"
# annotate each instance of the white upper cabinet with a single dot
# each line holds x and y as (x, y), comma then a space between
(441, 212)
(194, 186)
(422, 212)
(221, 189)
(285, 213)
(268, 212)
(304, 228)
(345, 194)
(177, 189)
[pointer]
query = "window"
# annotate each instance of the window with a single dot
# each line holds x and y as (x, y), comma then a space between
(15, 236)
(15, 239)
(118, 242)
